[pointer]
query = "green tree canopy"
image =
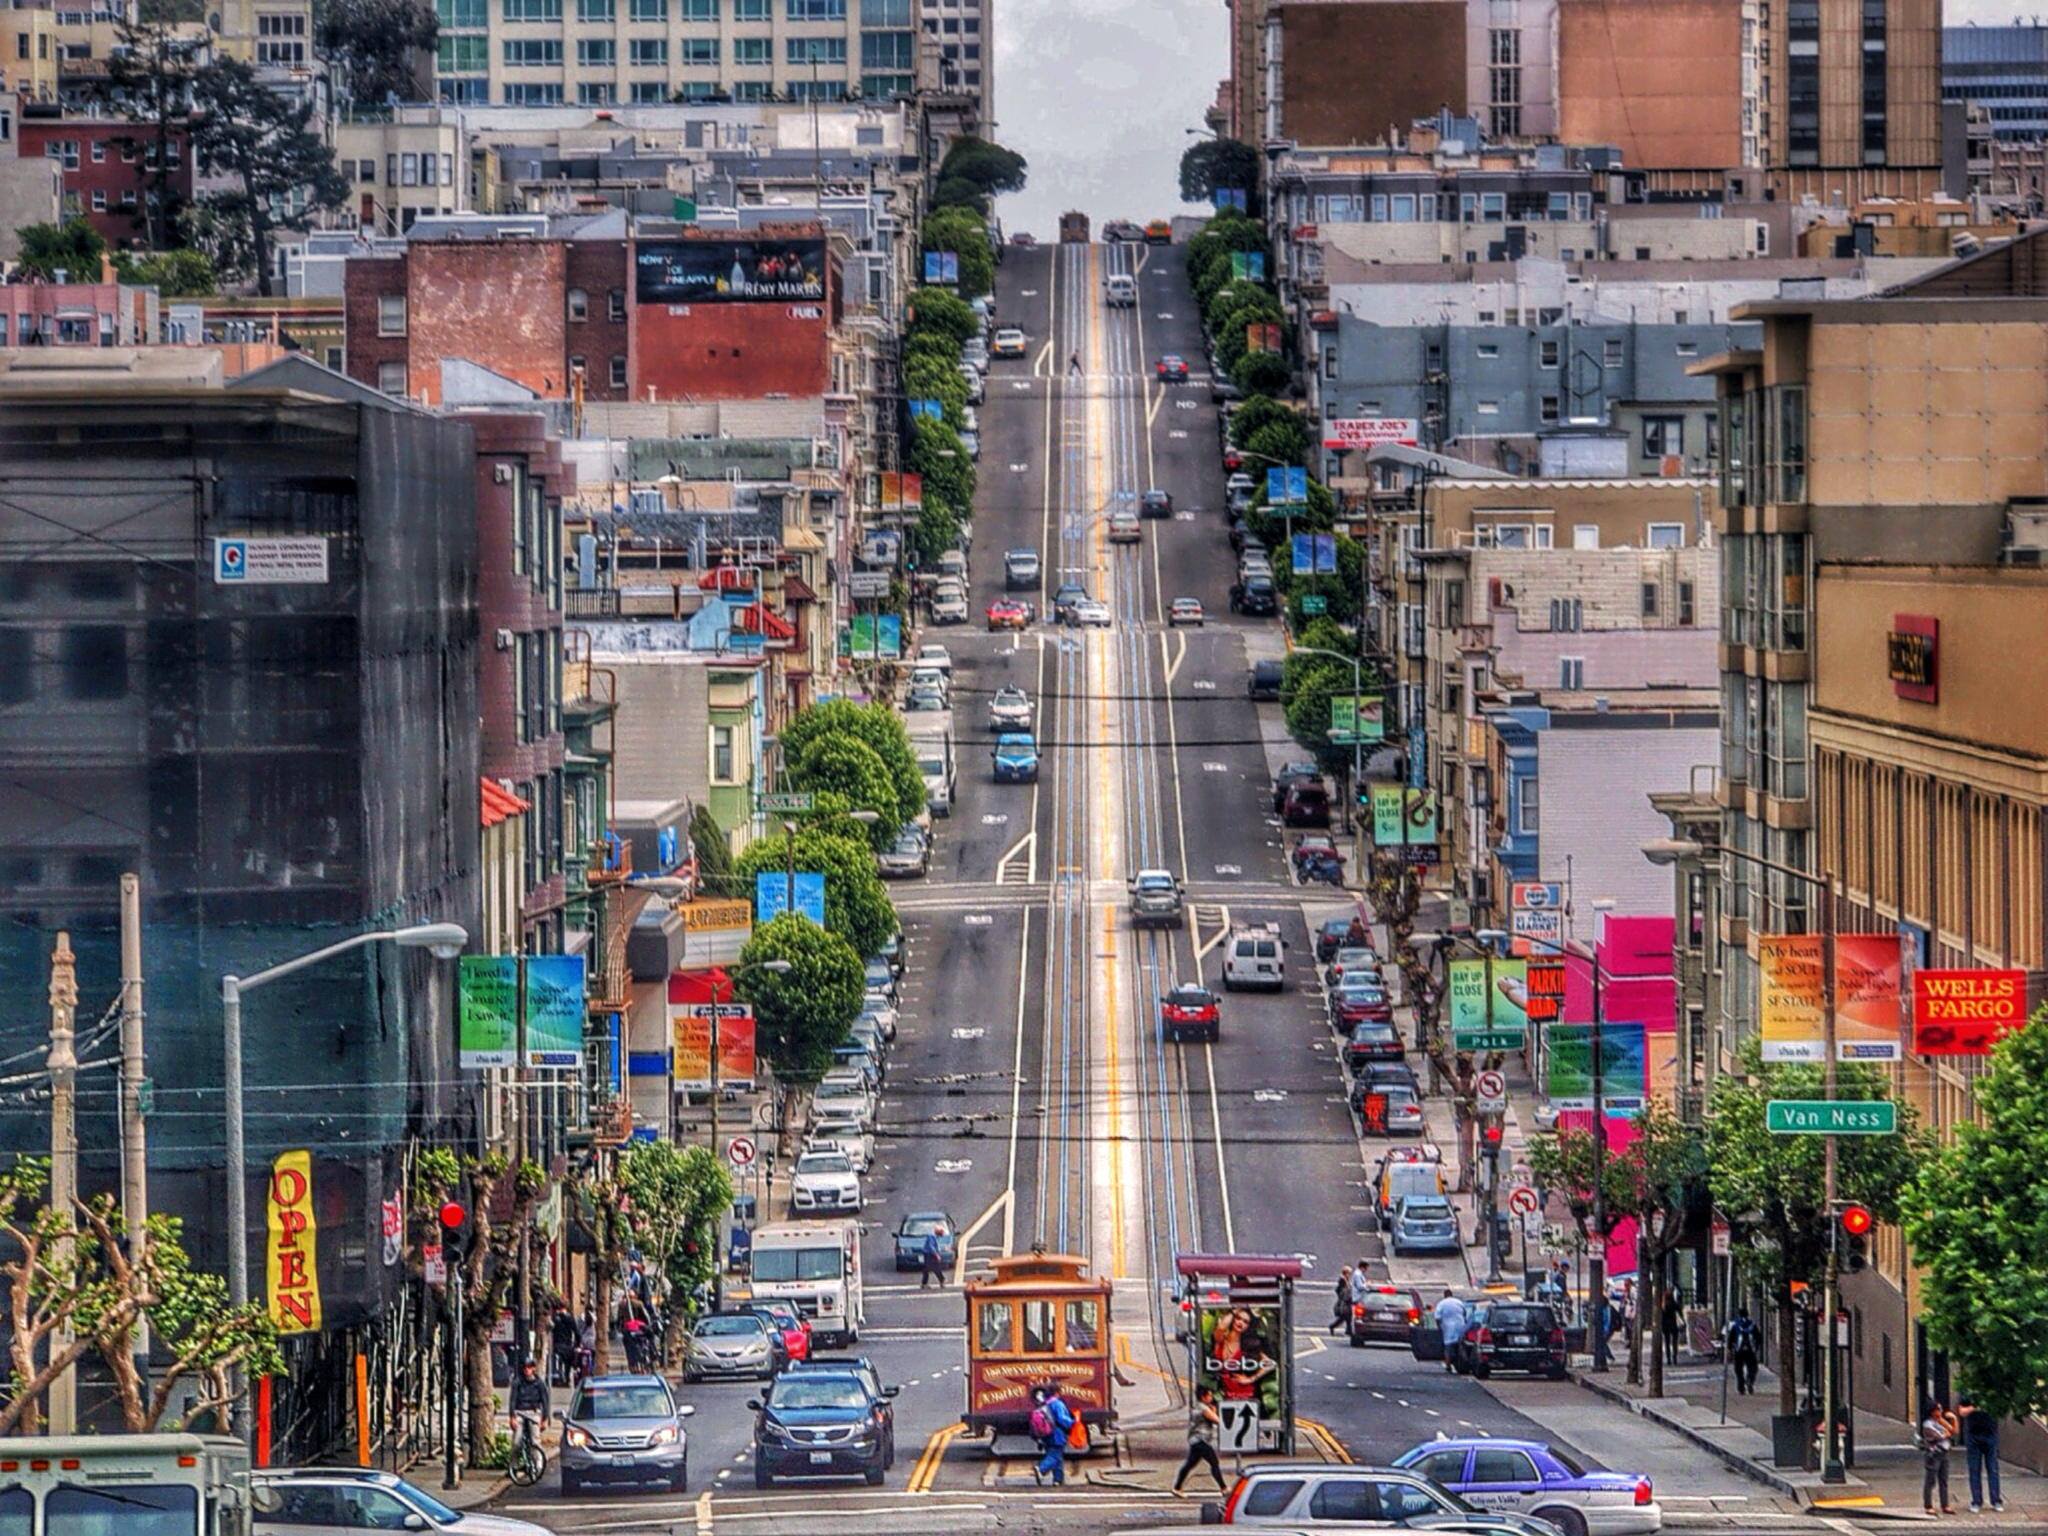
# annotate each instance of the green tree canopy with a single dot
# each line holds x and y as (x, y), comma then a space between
(1307, 685)
(376, 48)
(965, 233)
(987, 167)
(1977, 1218)
(174, 274)
(1262, 373)
(880, 728)
(268, 150)
(937, 310)
(856, 906)
(802, 1014)
(959, 192)
(714, 853)
(74, 248)
(937, 454)
(1286, 441)
(1208, 164)
(675, 1198)
(850, 768)
(150, 75)
(1260, 411)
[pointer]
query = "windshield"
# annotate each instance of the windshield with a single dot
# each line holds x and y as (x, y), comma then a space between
(1428, 1210)
(1155, 882)
(931, 768)
(917, 1226)
(786, 1264)
(823, 1162)
(634, 1402)
(726, 1327)
(817, 1391)
(139, 1509)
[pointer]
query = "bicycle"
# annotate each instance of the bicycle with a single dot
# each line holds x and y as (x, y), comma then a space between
(527, 1461)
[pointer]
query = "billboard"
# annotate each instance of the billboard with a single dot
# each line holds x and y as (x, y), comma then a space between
(691, 1023)
(1623, 1075)
(1242, 1358)
(1403, 816)
(1965, 1013)
(1349, 433)
(1361, 719)
(729, 271)
(1488, 998)
(554, 1010)
(1537, 918)
(1866, 996)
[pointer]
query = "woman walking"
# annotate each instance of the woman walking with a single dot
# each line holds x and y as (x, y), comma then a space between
(1204, 1423)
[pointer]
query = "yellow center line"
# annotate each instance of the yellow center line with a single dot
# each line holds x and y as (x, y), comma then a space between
(1116, 1113)
(929, 1460)
(1123, 1357)
(1332, 1446)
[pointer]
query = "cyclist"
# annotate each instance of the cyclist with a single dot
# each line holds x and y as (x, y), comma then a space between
(530, 1398)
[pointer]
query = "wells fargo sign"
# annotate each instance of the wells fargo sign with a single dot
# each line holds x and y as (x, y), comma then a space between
(294, 1266)
(1965, 1013)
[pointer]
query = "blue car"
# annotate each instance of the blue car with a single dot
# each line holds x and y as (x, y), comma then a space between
(1531, 1477)
(1016, 758)
(1424, 1224)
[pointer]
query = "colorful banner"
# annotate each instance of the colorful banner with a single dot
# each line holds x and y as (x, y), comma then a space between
(1360, 719)
(293, 1249)
(1867, 1002)
(1403, 816)
(554, 1010)
(1790, 992)
(728, 271)
(1349, 434)
(1623, 1068)
(775, 892)
(1476, 1008)
(1965, 1013)
(1242, 1358)
(487, 1019)
(691, 1023)
(1286, 486)
(1543, 995)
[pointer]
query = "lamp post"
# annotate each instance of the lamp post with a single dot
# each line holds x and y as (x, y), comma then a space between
(446, 940)
(1672, 850)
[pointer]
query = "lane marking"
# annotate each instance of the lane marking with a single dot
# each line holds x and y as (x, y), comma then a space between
(704, 1513)
(928, 1461)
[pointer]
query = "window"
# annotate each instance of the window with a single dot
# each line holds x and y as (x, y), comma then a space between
(391, 314)
(650, 52)
(1441, 1466)
(753, 90)
(1547, 354)
(459, 56)
(532, 10)
(1083, 1326)
(649, 92)
(1270, 1495)
(647, 10)
(95, 662)
(1488, 349)
(816, 50)
(391, 379)
(598, 52)
(1585, 536)
(885, 13)
(752, 10)
(520, 53)
(597, 10)
(618, 371)
(65, 150)
(576, 363)
(886, 51)
(1649, 599)
(463, 13)
(1686, 611)
(753, 50)
(995, 1327)
(1546, 409)
(1502, 1466)
(700, 10)
(815, 10)
(722, 764)
(1038, 1328)
(1489, 407)
(99, 200)
(1663, 436)
(596, 93)
(99, 151)
(1610, 352)
(1528, 805)
(133, 1507)
(700, 50)
(579, 304)
(1667, 535)
(1571, 671)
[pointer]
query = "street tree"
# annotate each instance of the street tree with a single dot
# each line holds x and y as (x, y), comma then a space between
(270, 153)
(150, 75)
(674, 1198)
(1257, 413)
(1209, 164)
(1662, 1175)
(1307, 685)
(490, 1263)
(938, 311)
(73, 247)
(959, 192)
(877, 725)
(378, 50)
(713, 852)
(965, 233)
(598, 1205)
(53, 1287)
(1977, 1218)
(984, 165)
(857, 907)
(174, 274)
(1262, 373)
(802, 1014)
(851, 768)
(1779, 1178)
(1286, 442)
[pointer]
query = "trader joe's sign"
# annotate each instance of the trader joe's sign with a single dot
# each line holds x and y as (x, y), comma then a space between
(1965, 1013)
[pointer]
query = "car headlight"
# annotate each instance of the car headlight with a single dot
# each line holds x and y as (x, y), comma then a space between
(773, 1431)
(576, 1435)
(666, 1435)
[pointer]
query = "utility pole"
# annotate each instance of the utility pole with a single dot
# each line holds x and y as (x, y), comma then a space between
(63, 1064)
(134, 1137)
(1832, 1469)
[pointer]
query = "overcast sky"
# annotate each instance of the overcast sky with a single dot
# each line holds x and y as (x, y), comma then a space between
(1098, 94)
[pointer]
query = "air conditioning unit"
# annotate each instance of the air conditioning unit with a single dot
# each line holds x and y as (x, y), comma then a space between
(504, 639)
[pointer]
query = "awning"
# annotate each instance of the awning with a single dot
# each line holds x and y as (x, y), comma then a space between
(500, 804)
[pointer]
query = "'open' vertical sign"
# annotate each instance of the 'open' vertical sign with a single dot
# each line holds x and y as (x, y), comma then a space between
(294, 1268)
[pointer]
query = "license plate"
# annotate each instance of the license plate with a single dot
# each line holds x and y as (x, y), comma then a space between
(1521, 1338)
(821, 1458)
(622, 1461)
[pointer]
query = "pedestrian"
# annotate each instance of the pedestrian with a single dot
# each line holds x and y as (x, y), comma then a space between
(1741, 1339)
(1074, 363)
(1060, 1421)
(1340, 1311)
(931, 1261)
(1203, 1424)
(1673, 1321)
(586, 1343)
(633, 1326)
(1450, 1321)
(562, 1345)
(1628, 1306)
(1980, 1452)
(1937, 1434)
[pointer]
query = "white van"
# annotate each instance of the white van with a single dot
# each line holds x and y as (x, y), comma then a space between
(931, 741)
(1120, 290)
(1253, 956)
(816, 1266)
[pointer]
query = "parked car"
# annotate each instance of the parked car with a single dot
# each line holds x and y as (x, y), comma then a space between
(976, 390)
(1387, 1110)
(1009, 709)
(1222, 388)
(1534, 1478)
(1264, 680)
(818, 1422)
(1315, 858)
(312, 1501)
(878, 975)
(1384, 1316)
(908, 858)
(1255, 596)
(1312, 1494)
(1405, 1171)
(1519, 1336)
(1370, 1041)
(1475, 1316)
(1008, 613)
(1307, 804)
(1353, 960)
(1360, 1000)
(1156, 503)
(823, 1182)
(949, 602)
(846, 1137)
(1016, 758)
(1423, 1224)
(785, 1318)
(1187, 1009)
(911, 1232)
(1290, 774)
(731, 1344)
(1337, 933)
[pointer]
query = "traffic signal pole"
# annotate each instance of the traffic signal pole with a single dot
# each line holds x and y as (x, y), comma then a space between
(1831, 1469)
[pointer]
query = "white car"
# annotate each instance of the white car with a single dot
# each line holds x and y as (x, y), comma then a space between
(847, 1139)
(1092, 612)
(924, 675)
(876, 1006)
(855, 1104)
(824, 1182)
(935, 656)
(949, 602)
(1010, 710)
(1009, 342)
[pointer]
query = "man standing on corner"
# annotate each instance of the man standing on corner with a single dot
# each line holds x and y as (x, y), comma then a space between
(1450, 1321)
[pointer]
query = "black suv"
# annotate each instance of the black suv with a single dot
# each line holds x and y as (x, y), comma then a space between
(822, 1422)
(1518, 1336)
(1255, 595)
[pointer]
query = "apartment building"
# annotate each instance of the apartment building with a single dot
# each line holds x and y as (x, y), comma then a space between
(108, 168)
(603, 53)
(1850, 96)
(403, 166)
(960, 36)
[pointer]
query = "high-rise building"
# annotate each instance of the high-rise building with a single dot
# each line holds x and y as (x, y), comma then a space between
(2002, 69)
(1850, 98)
(963, 35)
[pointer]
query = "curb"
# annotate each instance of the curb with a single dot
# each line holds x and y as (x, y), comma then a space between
(1734, 1461)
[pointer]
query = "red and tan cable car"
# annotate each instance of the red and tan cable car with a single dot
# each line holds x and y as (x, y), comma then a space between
(1038, 1318)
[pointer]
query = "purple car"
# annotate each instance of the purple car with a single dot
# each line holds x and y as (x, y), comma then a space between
(1529, 1477)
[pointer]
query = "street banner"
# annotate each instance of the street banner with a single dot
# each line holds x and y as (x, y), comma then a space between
(1789, 1009)
(691, 1023)
(1476, 1010)
(1326, 554)
(1228, 197)
(874, 636)
(292, 1252)
(1544, 997)
(942, 267)
(913, 492)
(1286, 486)
(1349, 434)
(1360, 719)
(1965, 1013)
(1623, 1075)
(554, 1010)
(1867, 1003)
(1243, 1359)
(773, 890)
(1262, 337)
(487, 1017)
(1303, 548)
(1403, 815)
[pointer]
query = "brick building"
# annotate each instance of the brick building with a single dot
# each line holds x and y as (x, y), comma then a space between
(108, 165)
(83, 314)
(665, 314)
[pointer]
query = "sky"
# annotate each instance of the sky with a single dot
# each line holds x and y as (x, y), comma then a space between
(1097, 96)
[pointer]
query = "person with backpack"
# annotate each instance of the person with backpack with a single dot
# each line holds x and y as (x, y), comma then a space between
(1742, 1351)
(1059, 1423)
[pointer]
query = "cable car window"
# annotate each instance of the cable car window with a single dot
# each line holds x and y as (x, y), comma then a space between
(996, 1320)
(1084, 1327)
(1038, 1319)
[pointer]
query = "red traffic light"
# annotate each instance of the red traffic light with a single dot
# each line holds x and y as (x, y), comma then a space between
(1492, 1134)
(453, 1216)
(1857, 1220)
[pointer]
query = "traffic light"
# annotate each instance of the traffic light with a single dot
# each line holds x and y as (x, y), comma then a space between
(1856, 1224)
(1489, 1138)
(453, 1218)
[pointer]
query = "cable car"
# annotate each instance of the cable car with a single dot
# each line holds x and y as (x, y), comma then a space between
(1038, 1318)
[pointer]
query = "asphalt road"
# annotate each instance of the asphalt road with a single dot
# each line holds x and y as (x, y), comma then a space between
(1030, 1096)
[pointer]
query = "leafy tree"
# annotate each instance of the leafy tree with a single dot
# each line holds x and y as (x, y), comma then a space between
(802, 1014)
(959, 192)
(490, 1263)
(926, 378)
(1211, 163)
(73, 247)
(878, 726)
(270, 152)
(1307, 685)
(1780, 1177)
(937, 530)
(963, 232)
(936, 311)
(854, 770)
(1262, 373)
(1257, 412)
(1287, 441)
(986, 166)
(857, 908)
(937, 454)
(174, 274)
(1977, 1217)
(376, 48)
(714, 853)
(674, 1198)
(932, 346)
(150, 76)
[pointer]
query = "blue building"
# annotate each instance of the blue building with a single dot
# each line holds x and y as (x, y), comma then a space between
(2004, 70)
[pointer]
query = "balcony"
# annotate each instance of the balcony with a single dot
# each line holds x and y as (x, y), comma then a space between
(611, 862)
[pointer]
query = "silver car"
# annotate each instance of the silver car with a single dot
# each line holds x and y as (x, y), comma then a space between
(1010, 709)
(625, 1429)
(909, 857)
(729, 1344)
(314, 1501)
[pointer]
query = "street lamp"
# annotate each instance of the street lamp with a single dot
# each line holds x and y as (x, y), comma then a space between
(444, 940)
(1666, 851)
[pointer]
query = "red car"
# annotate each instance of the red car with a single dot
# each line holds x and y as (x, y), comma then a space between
(1008, 613)
(1173, 369)
(1232, 460)
(1190, 1010)
(791, 1324)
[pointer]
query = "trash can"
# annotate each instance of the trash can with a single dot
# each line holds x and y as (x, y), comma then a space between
(1792, 1438)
